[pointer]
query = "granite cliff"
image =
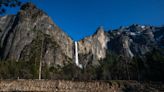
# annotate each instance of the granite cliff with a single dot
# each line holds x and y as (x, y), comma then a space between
(132, 52)
(32, 35)
(132, 41)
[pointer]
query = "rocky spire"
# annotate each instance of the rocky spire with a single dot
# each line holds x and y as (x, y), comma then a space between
(100, 30)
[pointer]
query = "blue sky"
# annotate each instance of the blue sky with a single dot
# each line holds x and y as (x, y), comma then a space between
(80, 18)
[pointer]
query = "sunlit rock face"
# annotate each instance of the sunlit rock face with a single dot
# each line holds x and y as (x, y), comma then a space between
(93, 48)
(129, 42)
(32, 35)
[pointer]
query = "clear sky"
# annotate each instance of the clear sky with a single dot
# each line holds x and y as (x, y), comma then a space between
(80, 18)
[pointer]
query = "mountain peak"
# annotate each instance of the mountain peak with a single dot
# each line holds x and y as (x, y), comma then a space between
(100, 30)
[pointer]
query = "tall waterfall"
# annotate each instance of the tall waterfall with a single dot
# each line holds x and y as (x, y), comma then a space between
(76, 56)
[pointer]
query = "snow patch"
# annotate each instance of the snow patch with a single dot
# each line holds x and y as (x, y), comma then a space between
(142, 27)
(132, 33)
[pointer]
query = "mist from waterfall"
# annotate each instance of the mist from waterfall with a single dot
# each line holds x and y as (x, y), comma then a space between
(76, 56)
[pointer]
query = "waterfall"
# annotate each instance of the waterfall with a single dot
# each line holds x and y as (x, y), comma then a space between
(76, 56)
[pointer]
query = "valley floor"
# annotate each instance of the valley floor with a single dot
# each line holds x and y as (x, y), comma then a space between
(80, 86)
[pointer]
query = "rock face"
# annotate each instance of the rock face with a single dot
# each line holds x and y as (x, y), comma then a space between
(132, 41)
(93, 48)
(32, 35)
(135, 40)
